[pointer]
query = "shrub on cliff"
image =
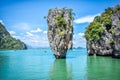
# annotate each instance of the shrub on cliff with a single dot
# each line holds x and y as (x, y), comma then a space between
(93, 31)
(96, 28)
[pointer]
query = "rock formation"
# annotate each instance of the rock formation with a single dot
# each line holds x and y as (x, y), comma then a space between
(60, 31)
(8, 42)
(103, 34)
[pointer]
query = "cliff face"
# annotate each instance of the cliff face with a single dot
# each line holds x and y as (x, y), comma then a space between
(60, 31)
(116, 35)
(103, 34)
(8, 42)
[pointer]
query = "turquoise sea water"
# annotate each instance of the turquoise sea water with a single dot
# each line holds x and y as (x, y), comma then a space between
(40, 64)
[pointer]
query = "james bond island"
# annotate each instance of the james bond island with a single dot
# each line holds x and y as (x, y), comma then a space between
(60, 31)
(60, 40)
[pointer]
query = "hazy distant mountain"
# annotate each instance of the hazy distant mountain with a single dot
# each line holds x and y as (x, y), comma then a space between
(33, 47)
(78, 48)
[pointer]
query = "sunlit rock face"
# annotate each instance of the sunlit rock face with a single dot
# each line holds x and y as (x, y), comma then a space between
(60, 31)
(103, 34)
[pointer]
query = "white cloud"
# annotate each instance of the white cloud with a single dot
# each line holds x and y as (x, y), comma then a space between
(81, 34)
(37, 30)
(45, 32)
(29, 34)
(34, 40)
(79, 40)
(41, 40)
(12, 32)
(17, 37)
(85, 19)
(1, 22)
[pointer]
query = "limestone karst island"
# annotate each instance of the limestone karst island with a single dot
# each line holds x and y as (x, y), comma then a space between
(103, 34)
(60, 32)
(59, 40)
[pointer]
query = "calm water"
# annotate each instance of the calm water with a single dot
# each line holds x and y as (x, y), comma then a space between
(40, 64)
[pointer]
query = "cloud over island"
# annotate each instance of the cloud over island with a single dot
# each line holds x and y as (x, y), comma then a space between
(85, 19)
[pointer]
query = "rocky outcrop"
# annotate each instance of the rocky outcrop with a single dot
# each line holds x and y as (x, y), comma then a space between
(116, 35)
(103, 34)
(8, 42)
(60, 31)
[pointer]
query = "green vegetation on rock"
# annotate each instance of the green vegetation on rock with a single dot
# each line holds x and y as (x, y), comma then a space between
(93, 31)
(106, 16)
(103, 34)
(60, 20)
(111, 41)
(96, 29)
(112, 30)
(71, 13)
(61, 33)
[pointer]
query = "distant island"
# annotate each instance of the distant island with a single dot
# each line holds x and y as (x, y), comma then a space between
(7, 42)
(103, 34)
(78, 48)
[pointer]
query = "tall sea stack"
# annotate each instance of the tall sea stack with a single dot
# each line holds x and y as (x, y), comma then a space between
(60, 31)
(103, 34)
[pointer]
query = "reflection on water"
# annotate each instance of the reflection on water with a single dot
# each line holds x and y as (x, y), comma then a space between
(41, 65)
(103, 68)
(60, 71)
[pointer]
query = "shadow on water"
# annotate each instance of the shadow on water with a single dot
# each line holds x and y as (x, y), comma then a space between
(60, 70)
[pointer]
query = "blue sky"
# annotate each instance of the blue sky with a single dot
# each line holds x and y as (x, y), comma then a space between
(24, 18)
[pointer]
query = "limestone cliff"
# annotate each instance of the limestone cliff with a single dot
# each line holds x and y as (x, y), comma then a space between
(60, 31)
(103, 34)
(8, 42)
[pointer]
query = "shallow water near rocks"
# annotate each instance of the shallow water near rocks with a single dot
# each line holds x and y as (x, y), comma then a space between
(40, 64)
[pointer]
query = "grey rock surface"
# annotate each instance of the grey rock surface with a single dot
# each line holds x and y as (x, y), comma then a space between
(60, 31)
(116, 36)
